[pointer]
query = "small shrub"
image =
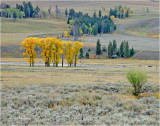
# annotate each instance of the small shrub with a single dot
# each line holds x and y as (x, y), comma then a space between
(129, 114)
(135, 107)
(69, 102)
(4, 103)
(149, 112)
(119, 104)
(97, 97)
(108, 108)
(157, 95)
(137, 78)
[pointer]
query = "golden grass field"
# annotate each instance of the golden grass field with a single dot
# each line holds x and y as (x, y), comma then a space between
(25, 75)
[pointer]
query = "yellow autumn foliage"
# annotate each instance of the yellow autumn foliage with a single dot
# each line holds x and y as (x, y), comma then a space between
(76, 51)
(46, 45)
(112, 17)
(69, 52)
(29, 45)
(52, 50)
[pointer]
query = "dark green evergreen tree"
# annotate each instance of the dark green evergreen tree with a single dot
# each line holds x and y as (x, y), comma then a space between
(122, 49)
(7, 6)
(127, 13)
(119, 53)
(94, 15)
(98, 48)
(87, 55)
(95, 30)
(110, 50)
(71, 13)
(126, 50)
(104, 49)
(14, 16)
(100, 13)
(25, 9)
(81, 52)
(30, 9)
(68, 21)
(115, 27)
(114, 47)
(132, 52)
(66, 12)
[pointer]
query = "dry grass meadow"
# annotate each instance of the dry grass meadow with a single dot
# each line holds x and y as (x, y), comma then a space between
(99, 71)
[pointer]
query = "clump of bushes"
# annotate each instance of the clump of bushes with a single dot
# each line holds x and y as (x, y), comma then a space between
(137, 78)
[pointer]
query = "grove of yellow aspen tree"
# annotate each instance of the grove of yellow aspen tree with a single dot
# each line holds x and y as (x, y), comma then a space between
(63, 48)
(57, 50)
(76, 48)
(52, 50)
(69, 52)
(47, 51)
(29, 45)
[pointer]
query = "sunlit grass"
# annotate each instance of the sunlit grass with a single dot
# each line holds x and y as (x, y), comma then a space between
(25, 75)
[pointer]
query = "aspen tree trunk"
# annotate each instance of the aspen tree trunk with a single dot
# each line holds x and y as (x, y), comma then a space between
(75, 62)
(62, 60)
(30, 61)
(54, 60)
(48, 63)
(32, 64)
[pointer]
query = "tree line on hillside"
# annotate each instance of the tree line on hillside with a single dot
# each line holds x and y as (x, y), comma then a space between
(26, 10)
(52, 50)
(120, 12)
(86, 24)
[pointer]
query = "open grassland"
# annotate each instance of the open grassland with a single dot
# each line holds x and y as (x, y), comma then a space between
(96, 61)
(32, 25)
(148, 27)
(24, 75)
(13, 33)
